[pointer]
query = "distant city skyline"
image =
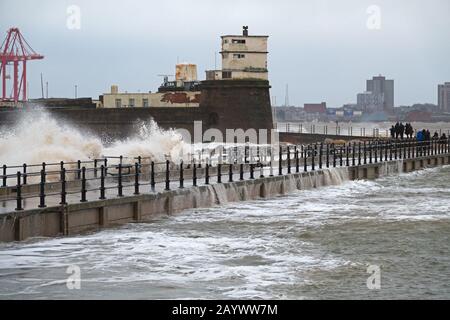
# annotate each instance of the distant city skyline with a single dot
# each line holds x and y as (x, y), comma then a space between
(324, 50)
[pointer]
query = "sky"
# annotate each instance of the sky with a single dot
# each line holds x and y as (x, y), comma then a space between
(323, 50)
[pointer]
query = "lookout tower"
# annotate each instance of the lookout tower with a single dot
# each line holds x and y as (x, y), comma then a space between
(243, 57)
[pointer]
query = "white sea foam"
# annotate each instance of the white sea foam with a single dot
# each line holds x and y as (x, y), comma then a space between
(44, 139)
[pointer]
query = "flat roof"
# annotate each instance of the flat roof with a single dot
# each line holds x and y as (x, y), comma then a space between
(242, 36)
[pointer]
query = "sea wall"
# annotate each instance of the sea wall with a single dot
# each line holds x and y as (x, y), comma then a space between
(90, 216)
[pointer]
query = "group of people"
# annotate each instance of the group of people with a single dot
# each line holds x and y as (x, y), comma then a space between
(425, 135)
(400, 130)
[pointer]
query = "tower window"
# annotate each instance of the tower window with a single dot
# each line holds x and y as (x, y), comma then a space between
(241, 41)
(238, 56)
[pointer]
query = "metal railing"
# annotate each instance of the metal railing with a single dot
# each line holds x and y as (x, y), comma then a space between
(99, 176)
(355, 131)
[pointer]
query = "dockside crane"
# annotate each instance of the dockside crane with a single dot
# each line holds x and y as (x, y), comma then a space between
(15, 50)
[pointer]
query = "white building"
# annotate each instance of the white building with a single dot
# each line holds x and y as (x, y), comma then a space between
(243, 57)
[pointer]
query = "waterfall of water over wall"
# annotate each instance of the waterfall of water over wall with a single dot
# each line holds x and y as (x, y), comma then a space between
(391, 168)
(217, 194)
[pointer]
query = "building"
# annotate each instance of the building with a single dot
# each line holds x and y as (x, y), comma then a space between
(243, 57)
(319, 108)
(380, 86)
(444, 97)
(182, 92)
(369, 101)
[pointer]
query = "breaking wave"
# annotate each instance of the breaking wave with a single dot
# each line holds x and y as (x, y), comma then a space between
(44, 139)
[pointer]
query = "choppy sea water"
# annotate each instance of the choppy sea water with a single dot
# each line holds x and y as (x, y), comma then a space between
(313, 244)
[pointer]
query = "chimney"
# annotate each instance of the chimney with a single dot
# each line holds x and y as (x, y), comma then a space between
(245, 31)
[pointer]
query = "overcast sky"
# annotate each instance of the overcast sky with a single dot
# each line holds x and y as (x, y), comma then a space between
(323, 49)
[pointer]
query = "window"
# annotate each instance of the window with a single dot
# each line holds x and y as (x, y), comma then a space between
(131, 103)
(241, 41)
(226, 74)
(225, 41)
(118, 103)
(238, 56)
(145, 103)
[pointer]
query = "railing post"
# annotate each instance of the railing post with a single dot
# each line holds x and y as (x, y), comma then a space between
(400, 153)
(207, 172)
(390, 150)
(181, 175)
(152, 175)
(230, 172)
(313, 158)
(102, 182)
(136, 178)
(385, 146)
(270, 163)
(241, 171)
(288, 153)
(380, 150)
(365, 152)
(42, 190)
(320, 155)
(409, 148)
(4, 176)
(305, 160)
(78, 169)
(252, 171)
(370, 151)
(106, 166)
(359, 153)
(280, 162)
(83, 184)
(167, 175)
(328, 155)
(119, 185)
(95, 168)
(376, 151)
(194, 174)
(347, 150)
(297, 163)
(340, 156)
(24, 172)
(246, 149)
(63, 186)
(395, 150)
(334, 155)
(19, 192)
(219, 173)
(353, 153)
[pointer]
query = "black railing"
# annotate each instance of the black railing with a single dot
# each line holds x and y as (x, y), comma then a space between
(113, 179)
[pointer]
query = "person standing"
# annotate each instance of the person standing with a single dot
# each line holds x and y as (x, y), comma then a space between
(402, 130)
(392, 130)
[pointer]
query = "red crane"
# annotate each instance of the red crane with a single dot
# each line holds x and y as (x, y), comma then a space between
(15, 49)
